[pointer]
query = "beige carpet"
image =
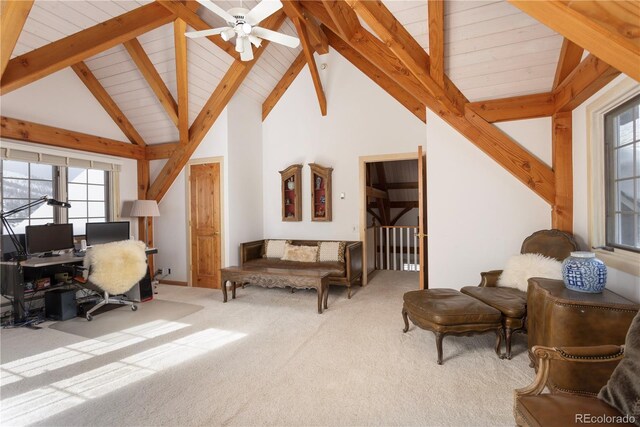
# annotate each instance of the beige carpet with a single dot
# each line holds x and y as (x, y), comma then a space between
(266, 358)
(122, 318)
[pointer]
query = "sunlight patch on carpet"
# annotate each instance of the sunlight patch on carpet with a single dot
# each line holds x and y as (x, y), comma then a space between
(74, 353)
(44, 402)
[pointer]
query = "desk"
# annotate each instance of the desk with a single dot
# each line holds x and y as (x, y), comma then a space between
(14, 275)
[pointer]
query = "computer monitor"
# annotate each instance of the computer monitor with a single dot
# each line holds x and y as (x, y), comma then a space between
(48, 238)
(106, 232)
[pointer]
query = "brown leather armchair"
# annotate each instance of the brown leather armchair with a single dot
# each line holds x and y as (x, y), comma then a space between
(513, 302)
(593, 365)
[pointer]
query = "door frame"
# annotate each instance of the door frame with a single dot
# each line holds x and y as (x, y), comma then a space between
(204, 160)
(363, 160)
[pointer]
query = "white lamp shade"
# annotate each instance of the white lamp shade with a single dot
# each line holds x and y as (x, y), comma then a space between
(144, 208)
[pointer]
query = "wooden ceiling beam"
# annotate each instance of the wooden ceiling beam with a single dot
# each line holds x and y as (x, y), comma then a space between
(282, 86)
(14, 15)
(397, 205)
(562, 154)
(515, 108)
(383, 202)
(402, 185)
(182, 84)
(198, 24)
(151, 75)
(23, 130)
(109, 105)
(345, 19)
(317, 37)
(405, 47)
(609, 30)
(495, 143)
(160, 151)
(570, 57)
(374, 51)
(584, 81)
(48, 59)
(311, 62)
(376, 193)
(436, 40)
(209, 114)
(416, 107)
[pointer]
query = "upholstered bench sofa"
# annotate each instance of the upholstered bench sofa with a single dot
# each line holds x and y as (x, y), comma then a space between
(344, 270)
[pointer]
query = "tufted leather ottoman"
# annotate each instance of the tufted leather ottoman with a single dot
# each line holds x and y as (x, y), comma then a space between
(449, 312)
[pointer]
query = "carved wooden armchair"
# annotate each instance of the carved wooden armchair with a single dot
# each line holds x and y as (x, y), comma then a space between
(587, 371)
(513, 302)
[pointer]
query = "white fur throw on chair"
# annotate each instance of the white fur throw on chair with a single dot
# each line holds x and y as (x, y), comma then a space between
(520, 268)
(117, 266)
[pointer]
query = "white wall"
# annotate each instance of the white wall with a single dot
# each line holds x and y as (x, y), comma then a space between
(244, 199)
(618, 281)
(362, 120)
(61, 100)
(478, 213)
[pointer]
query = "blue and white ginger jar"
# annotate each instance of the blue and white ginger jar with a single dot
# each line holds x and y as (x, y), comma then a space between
(583, 272)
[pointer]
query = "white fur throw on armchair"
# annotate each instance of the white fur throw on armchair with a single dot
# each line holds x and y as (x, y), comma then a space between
(117, 266)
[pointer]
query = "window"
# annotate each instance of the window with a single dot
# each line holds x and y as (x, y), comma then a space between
(87, 194)
(622, 174)
(23, 183)
(613, 131)
(86, 189)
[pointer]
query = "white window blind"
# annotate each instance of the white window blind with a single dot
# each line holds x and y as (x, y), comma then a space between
(7, 153)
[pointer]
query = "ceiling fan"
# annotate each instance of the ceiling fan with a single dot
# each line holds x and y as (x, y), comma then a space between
(243, 24)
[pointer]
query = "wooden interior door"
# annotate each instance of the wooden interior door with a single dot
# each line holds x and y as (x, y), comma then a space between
(204, 186)
(422, 218)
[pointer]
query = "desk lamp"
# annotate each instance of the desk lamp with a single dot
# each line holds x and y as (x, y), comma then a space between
(145, 209)
(20, 250)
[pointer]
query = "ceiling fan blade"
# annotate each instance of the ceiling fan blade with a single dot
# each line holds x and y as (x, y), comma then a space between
(205, 33)
(262, 10)
(247, 53)
(217, 10)
(275, 37)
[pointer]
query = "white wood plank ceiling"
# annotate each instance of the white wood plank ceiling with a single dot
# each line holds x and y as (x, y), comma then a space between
(492, 50)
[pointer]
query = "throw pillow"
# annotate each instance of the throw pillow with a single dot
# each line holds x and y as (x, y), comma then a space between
(331, 251)
(300, 253)
(622, 391)
(274, 248)
(522, 267)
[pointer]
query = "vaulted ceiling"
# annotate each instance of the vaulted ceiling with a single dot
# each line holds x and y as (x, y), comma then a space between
(472, 63)
(492, 50)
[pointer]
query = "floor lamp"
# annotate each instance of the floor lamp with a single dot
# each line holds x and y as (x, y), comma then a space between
(145, 209)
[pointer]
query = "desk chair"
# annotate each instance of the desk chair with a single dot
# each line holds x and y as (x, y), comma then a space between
(114, 268)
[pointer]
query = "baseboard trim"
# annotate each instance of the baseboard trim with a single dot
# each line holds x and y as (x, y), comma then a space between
(174, 282)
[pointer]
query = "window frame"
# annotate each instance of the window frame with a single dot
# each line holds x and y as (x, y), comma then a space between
(615, 257)
(59, 190)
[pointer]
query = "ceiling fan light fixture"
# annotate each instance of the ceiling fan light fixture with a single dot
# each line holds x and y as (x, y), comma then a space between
(239, 45)
(246, 28)
(255, 40)
(228, 34)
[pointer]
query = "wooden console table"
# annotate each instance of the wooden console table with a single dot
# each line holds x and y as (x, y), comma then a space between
(277, 278)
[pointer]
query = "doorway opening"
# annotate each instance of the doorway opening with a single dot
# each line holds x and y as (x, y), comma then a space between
(393, 214)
